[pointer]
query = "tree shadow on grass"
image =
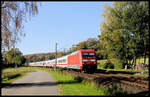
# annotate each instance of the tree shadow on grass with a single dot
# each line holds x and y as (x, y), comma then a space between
(12, 76)
(114, 72)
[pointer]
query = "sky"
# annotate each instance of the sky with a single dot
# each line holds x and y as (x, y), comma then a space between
(66, 23)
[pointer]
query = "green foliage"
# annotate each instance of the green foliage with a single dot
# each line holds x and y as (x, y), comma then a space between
(118, 65)
(109, 65)
(90, 43)
(115, 91)
(101, 65)
(14, 57)
(42, 56)
(19, 60)
(125, 31)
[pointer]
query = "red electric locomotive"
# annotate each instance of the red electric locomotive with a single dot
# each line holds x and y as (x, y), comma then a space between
(83, 60)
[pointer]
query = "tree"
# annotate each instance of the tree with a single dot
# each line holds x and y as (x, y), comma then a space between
(14, 58)
(19, 60)
(125, 31)
(82, 45)
(13, 15)
(90, 43)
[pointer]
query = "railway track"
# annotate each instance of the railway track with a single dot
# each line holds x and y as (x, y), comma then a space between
(126, 79)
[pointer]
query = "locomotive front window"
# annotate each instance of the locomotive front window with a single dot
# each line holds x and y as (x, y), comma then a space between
(91, 54)
(85, 54)
(88, 54)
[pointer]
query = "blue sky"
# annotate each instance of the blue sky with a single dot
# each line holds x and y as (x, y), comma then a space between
(66, 23)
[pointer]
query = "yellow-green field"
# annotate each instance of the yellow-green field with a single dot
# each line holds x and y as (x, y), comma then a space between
(11, 74)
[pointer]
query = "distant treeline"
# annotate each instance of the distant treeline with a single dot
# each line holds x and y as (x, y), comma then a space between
(91, 43)
(42, 56)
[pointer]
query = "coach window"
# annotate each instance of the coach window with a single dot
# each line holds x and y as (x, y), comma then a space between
(60, 61)
(64, 60)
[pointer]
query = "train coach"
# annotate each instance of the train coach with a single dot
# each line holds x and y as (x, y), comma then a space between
(83, 60)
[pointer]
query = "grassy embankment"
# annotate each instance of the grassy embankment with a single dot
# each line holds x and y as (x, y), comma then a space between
(70, 85)
(144, 73)
(11, 74)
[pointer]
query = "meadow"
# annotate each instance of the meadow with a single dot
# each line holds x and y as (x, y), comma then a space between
(11, 74)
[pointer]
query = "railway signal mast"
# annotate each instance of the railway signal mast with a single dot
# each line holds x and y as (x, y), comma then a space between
(55, 58)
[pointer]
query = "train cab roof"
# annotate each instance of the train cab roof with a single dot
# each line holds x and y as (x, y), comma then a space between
(86, 50)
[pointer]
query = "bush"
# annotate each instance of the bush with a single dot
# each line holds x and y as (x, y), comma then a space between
(109, 65)
(115, 91)
(101, 65)
(118, 65)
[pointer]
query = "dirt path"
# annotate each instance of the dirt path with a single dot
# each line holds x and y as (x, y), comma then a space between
(35, 83)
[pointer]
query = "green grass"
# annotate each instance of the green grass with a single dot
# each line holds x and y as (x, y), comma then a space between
(144, 73)
(138, 61)
(11, 74)
(19, 69)
(68, 85)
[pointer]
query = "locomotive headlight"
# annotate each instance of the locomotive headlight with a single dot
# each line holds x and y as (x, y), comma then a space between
(84, 60)
(92, 60)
